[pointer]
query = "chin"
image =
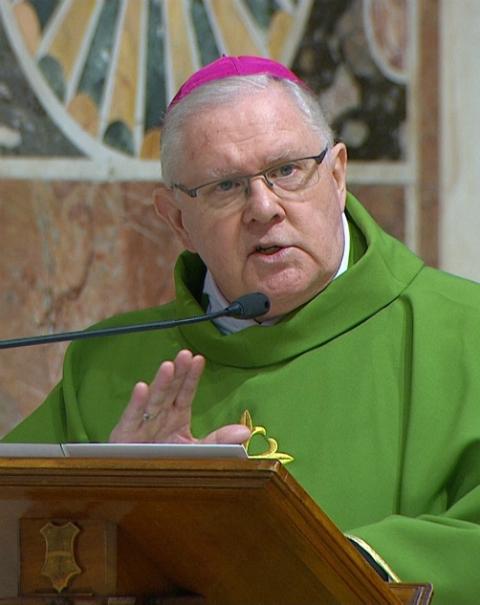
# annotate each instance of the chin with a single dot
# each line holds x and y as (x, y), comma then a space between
(283, 302)
(287, 289)
(281, 307)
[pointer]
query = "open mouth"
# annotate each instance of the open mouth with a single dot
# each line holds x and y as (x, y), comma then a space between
(268, 250)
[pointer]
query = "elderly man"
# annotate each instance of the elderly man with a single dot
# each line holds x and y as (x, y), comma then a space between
(363, 371)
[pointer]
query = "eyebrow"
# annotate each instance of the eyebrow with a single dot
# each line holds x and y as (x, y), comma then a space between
(218, 174)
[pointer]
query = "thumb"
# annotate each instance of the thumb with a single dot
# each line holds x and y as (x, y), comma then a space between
(230, 433)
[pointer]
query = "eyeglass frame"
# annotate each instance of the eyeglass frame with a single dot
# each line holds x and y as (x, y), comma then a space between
(193, 192)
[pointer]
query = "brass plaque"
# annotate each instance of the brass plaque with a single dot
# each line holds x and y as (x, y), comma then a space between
(60, 565)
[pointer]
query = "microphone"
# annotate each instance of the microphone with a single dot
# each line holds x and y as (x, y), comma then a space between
(247, 306)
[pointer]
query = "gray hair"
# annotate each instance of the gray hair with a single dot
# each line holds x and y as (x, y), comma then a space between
(224, 91)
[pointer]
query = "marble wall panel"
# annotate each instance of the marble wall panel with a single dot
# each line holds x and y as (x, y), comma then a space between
(386, 203)
(459, 213)
(429, 141)
(73, 253)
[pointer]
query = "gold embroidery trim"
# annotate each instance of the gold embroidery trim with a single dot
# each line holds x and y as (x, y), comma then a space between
(271, 453)
(376, 557)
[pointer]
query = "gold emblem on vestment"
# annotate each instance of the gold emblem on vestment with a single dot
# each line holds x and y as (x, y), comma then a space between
(60, 565)
(271, 453)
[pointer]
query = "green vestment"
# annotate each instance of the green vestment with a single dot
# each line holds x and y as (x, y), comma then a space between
(373, 387)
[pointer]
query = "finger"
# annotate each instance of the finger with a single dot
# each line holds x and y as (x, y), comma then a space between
(231, 433)
(169, 378)
(188, 386)
(162, 380)
(132, 417)
(175, 382)
(133, 413)
(175, 385)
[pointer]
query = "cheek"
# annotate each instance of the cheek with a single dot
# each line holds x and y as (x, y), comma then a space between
(196, 229)
(322, 233)
(211, 238)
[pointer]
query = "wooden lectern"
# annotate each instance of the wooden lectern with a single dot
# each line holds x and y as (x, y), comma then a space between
(150, 532)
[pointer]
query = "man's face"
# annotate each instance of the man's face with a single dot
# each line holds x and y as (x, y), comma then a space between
(287, 249)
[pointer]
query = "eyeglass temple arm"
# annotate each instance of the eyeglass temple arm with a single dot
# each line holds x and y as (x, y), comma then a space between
(190, 192)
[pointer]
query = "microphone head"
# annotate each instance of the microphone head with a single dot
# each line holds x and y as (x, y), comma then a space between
(249, 306)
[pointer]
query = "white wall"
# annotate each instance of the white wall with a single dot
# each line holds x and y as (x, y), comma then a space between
(460, 137)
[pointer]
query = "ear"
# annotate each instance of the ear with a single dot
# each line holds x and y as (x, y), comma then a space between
(167, 208)
(338, 167)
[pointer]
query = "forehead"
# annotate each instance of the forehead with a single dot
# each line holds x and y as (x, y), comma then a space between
(246, 134)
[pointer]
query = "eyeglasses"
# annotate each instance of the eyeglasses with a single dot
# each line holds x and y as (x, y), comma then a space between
(284, 180)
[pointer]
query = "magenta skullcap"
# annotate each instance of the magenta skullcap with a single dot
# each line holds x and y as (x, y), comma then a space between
(226, 67)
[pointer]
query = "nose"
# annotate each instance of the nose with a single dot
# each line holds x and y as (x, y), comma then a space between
(261, 202)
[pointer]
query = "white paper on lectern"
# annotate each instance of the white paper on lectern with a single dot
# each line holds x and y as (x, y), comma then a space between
(153, 450)
(120, 450)
(31, 450)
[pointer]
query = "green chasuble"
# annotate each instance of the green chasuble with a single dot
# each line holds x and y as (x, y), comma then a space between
(373, 388)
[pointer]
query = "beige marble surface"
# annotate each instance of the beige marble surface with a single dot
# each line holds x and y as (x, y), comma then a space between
(72, 254)
(460, 127)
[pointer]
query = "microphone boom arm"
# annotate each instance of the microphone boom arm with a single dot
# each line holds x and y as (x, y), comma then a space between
(245, 307)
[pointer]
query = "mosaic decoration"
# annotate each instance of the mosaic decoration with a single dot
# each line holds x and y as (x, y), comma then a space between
(354, 56)
(104, 70)
(26, 129)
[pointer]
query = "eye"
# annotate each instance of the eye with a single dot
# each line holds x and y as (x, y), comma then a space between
(286, 170)
(283, 171)
(224, 186)
(227, 186)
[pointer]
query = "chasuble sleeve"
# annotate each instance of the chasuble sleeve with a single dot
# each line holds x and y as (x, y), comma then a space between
(443, 548)
(47, 424)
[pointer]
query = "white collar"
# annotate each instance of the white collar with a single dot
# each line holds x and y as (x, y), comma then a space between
(216, 300)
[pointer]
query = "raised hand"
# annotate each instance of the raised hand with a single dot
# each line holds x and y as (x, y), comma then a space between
(161, 412)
